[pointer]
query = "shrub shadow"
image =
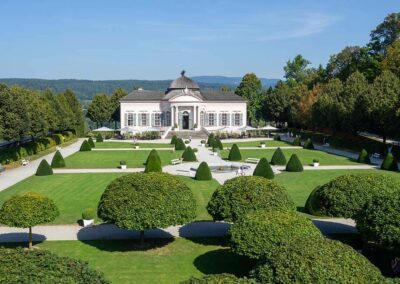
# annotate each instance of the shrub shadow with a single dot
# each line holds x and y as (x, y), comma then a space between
(208, 229)
(21, 238)
(328, 227)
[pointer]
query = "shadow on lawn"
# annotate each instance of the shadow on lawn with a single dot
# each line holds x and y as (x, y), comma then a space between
(128, 245)
(20, 239)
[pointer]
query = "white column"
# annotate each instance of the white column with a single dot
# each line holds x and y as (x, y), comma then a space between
(172, 116)
(176, 116)
(194, 115)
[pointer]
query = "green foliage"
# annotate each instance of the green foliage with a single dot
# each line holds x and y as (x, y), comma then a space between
(85, 146)
(294, 164)
(203, 172)
(180, 145)
(234, 153)
(188, 155)
(88, 214)
(211, 140)
(153, 155)
(58, 138)
(218, 144)
(250, 88)
(296, 69)
(277, 137)
(296, 141)
(308, 144)
(100, 109)
(346, 195)
(260, 232)
(173, 140)
(223, 278)
(44, 169)
(145, 201)
(99, 138)
(240, 195)
(153, 163)
(389, 163)
(58, 160)
(41, 266)
(363, 157)
(316, 260)
(28, 210)
(278, 158)
(91, 143)
(263, 169)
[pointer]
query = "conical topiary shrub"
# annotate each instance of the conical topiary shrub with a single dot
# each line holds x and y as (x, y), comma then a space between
(58, 160)
(308, 144)
(234, 153)
(278, 158)
(294, 164)
(211, 140)
(218, 144)
(44, 169)
(263, 169)
(91, 143)
(188, 155)
(173, 140)
(363, 157)
(153, 165)
(85, 146)
(203, 172)
(153, 154)
(180, 145)
(99, 138)
(296, 141)
(390, 163)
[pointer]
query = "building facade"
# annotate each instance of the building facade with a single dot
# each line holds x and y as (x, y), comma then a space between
(183, 106)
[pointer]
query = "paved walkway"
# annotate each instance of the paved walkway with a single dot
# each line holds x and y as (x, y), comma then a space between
(131, 149)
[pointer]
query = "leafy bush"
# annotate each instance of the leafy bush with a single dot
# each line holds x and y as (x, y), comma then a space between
(296, 141)
(211, 140)
(99, 138)
(263, 169)
(153, 155)
(316, 260)
(91, 143)
(58, 160)
(153, 163)
(173, 140)
(345, 195)
(278, 158)
(218, 144)
(85, 146)
(44, 169)
(58, 138)
(389, 163)
(308, 144)
(277, 137)
(188, 155)
(234, 153)
(260, 232)
(203, 172)
(240, 195)
(180, 145)
(363, 157)
(294, 164)
(88, 214)
(223, 278)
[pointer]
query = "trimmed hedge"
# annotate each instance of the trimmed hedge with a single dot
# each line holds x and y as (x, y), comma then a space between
(153, 155)
(346, 195)
(294, 164)
(260, 232)
(240, 195)
(58, 160)
(180, 145)
(363, 157)
(234, 153)
(316, 260)
(44, 169)
(277, 137)
(211, 140)
(99, 138)
(188, 155)
(223, 278)
(389, 163)
(278, 158)
(58, 139)
(203, 172)
(88, 214)
(296, 141)
(218, 144)
(263, 169)
(173, 140)
(153, 163)
(308, 144)
(91, 143)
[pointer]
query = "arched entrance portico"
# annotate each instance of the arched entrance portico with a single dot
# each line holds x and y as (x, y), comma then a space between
(185, 121)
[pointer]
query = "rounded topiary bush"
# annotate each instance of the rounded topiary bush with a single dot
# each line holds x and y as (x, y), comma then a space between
(153, 155)
(188, 155)
(345, 195)
(44, 169)
(389, 163)
(173, 140)
(263, 169)
(260, 232)
(91, 143)
(234, 153)
(88, 214)
(296, 141)
(153, 165)
(294, 164)
(85, 146)
(99, 138)
(308, 144)
(211, 140)
(41, 266)
(58, 160)
(316, 260)
(218, 144)
(363, 157)
(240, 195)
(180, 145)
(278, 158)
(223, 278)
(203, 172)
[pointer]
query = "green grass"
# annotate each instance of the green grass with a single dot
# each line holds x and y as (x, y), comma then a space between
(72, 193)
(268, 143)
(109, 145)
(111, 159)
(306, 156)
(170, 261)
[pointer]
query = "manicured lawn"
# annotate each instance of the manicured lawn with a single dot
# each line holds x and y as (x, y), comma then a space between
(306, 156)
(111, 159)
(74, 192)
(108, 145)
(171, 262)
(268, 143)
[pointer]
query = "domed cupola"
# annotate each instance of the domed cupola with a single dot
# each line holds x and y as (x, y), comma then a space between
(182, 83)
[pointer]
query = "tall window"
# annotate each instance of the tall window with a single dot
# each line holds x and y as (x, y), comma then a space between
(211, 119)
(143, 119)
(224, 119)
(130, 119)
(157, 119)
(237, 119)
(202, 118)
(168, 118)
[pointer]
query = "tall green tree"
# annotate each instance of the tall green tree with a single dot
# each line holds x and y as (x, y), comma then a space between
(65, 114)
(385, 33)
(391, 61)
(115, 104)
(277, 103)
(250, 88)
(76, 108)
(50, 103)
(296, 69)
(100, 109)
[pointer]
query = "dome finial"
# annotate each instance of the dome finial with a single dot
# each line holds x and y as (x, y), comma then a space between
(183, 73)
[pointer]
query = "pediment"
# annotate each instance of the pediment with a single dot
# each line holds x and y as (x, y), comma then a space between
(185, 98)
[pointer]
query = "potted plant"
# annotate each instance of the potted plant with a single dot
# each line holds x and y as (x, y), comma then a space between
(203, 143)
(136, 146)
(315, 163)
(88, 216)
(196, 151)
(215, 151)
(122, 165)
(262, 144)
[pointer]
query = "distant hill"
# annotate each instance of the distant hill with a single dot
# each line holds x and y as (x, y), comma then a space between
(86, 89)
(233, 81)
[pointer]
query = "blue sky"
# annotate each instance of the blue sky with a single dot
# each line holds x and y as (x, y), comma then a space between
(157, 39)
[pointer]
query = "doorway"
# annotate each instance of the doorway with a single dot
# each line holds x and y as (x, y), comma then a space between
(185, 120)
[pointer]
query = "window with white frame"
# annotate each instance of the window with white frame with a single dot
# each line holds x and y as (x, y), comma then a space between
(168, 118)
(202, 118)
(143, 119)
(130, 119)
(224, 119)
(237, 119)
(157, 119)
(211, 119)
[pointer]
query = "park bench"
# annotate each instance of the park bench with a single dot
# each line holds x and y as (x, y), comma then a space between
(252, 160)
(176, 161)
(25, 162)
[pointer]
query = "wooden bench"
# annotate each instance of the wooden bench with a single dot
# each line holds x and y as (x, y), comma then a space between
(176, 161)
(252, 160)
(25, 162)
